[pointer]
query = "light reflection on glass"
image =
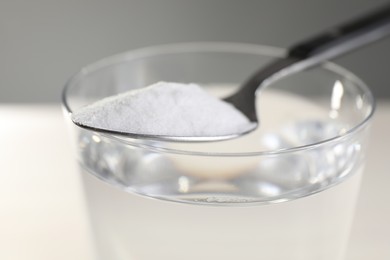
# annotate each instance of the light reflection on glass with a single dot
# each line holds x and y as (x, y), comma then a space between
(96, 138)
(184, 184)
(337, 95)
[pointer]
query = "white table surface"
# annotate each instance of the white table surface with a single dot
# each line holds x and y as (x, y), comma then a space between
(42, 213)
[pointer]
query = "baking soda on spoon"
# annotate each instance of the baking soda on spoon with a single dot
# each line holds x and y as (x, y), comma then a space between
(165, 108)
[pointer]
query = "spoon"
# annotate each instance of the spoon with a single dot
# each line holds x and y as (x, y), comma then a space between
(304, 55)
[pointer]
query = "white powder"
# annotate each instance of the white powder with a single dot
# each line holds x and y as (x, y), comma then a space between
(165, 108)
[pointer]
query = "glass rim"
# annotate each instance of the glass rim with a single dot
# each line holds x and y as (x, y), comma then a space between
(241, 48)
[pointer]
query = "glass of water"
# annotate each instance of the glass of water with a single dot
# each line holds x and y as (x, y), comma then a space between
(285, 191)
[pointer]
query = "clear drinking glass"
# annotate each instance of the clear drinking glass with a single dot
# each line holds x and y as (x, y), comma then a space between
(285, 191)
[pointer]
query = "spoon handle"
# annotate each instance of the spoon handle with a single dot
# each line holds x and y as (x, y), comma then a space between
(330, 44)
(343, 38)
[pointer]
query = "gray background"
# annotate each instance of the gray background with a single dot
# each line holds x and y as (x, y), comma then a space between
(43, 42)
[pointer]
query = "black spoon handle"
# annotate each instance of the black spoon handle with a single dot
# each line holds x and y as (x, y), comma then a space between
(326, 46)
(346, 37)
